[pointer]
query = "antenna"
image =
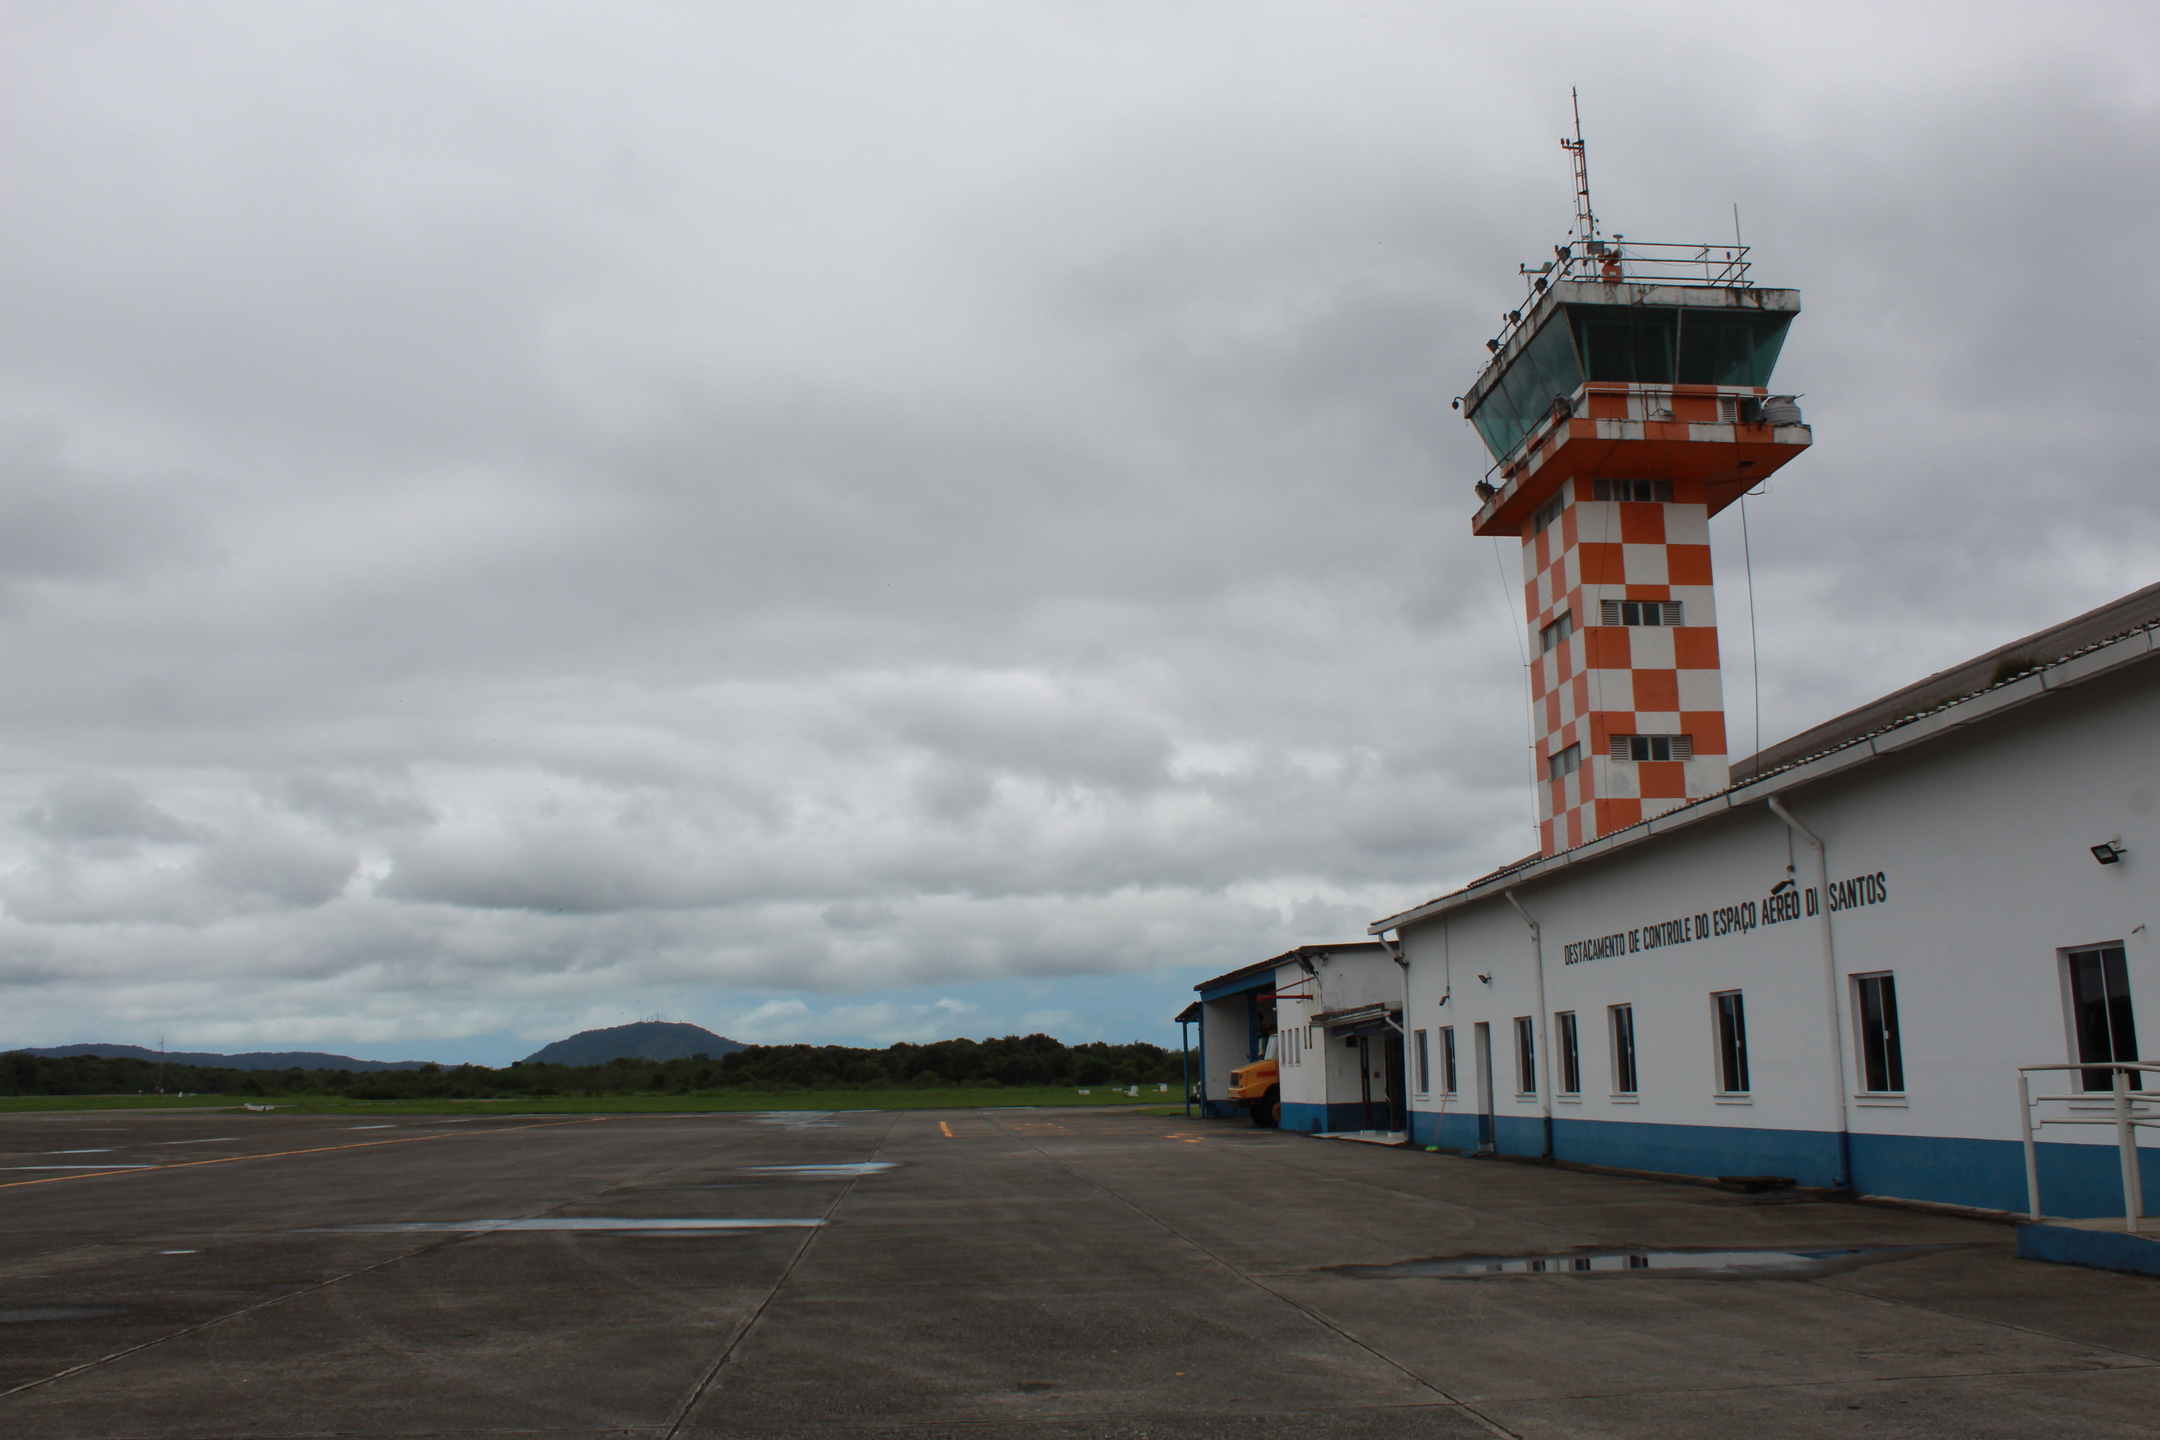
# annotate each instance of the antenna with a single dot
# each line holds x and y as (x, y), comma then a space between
(1585, 219)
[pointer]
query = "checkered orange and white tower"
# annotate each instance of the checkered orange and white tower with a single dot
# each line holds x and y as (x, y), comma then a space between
(1625, 404)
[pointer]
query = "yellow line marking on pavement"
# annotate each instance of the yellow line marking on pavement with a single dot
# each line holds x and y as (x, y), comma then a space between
(946, 1128)
(280, 1154)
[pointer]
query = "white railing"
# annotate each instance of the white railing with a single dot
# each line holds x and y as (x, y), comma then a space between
(2126, 1110)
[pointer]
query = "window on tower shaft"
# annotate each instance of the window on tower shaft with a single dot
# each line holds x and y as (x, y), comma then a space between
(1556, 632)
(1564, 762)
(1653, 747)
(1642, 612)
(1638, 491)
(1547, 513)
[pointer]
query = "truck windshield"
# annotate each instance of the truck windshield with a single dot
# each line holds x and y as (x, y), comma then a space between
(1267, 1047)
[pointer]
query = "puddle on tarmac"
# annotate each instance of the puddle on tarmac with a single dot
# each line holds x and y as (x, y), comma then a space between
(860, 1167)
(793, 1119)
(1773, 1263)
(58, 1312)
(476, 1227)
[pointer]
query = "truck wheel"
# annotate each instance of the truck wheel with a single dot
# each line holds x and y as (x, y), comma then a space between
(1267, 1110)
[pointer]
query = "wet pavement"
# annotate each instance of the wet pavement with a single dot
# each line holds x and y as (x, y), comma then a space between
(985, 1273)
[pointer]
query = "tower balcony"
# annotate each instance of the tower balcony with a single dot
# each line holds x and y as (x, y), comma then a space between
(1725, 438)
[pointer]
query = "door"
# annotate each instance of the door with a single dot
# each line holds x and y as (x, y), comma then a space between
(1391, 1044)
(1481, 1061)
(1364, 1082)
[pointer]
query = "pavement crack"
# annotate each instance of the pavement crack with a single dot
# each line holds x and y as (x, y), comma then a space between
(689, 1403)
(1323, 1321)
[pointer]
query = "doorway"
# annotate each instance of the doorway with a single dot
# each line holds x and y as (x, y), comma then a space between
(1391, 1044)
(1481, 1062)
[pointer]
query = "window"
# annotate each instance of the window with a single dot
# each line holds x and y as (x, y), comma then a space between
(1623, 1050)
(1525, 1057)
(1732, 1043)
(1547, 513)
(1424, 1062)
(1565, 762)
(1882, 1059)
(1728, 409)
(1556, 632)
(1642, 612)
(1653, 747)
(1447, 1060)
(1638, 491)
(1570, 1055)
(2100, 1009)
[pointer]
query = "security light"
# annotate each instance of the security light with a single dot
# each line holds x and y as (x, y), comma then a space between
(1485, 979)
(2111, 852)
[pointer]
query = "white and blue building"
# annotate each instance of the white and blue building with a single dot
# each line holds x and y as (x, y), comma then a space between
(1832, 969)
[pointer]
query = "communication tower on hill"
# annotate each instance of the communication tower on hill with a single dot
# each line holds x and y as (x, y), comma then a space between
(1625, 403)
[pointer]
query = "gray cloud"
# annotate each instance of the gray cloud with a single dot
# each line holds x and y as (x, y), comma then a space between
(506, 526)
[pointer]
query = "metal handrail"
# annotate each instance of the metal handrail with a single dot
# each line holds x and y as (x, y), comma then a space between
(1649, 262)
(2126, 1120)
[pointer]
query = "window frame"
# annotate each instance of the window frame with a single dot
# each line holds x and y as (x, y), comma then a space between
(1553, 636)
(1447, 1061)
(1526, 1057)
(1643, 749)
(2113, 959)
(1423, 1073)
(1626, 1065)
(1728, 1020)
(1568, 1049)
(1563, 763)
(1879, 1038)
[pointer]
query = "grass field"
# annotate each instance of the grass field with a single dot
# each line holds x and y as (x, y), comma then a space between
(954, 1099)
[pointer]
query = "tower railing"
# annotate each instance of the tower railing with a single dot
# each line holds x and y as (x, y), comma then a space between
(2119, 1106)
(1646, 262)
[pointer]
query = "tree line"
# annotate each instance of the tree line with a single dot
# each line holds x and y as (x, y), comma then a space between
(1013, 1060)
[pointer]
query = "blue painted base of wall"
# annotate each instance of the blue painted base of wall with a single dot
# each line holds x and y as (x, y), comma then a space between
(2100, 1249)
(2076, 1181)
(1312, 1119)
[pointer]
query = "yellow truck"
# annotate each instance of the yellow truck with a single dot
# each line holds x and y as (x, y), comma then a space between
(1259, 1085)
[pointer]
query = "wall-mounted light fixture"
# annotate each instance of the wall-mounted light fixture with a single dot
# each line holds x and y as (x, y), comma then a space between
(2110, 853)
(1485, 979)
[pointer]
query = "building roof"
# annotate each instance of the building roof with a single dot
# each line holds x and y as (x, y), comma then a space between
(1258, 966)
(1913, 716)
(2138, 608)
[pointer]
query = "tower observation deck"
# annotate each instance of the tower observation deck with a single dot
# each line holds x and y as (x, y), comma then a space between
(1625, 404)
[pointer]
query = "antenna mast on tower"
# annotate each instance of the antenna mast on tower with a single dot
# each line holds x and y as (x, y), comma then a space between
(1585, 219)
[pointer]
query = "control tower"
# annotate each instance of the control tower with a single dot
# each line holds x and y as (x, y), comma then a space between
(1626, 403)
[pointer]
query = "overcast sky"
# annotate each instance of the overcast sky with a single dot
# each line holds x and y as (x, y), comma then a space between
(855, 522)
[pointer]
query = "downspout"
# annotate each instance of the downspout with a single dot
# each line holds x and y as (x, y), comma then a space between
(1544, 1048)
(1402, 1029)
(1832, 1008)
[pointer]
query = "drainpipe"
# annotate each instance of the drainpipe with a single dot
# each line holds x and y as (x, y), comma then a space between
(1832, 1008)
(1394, 952)
(1544, 1049)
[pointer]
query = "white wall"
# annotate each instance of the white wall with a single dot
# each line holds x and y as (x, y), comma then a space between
(1982, 840)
